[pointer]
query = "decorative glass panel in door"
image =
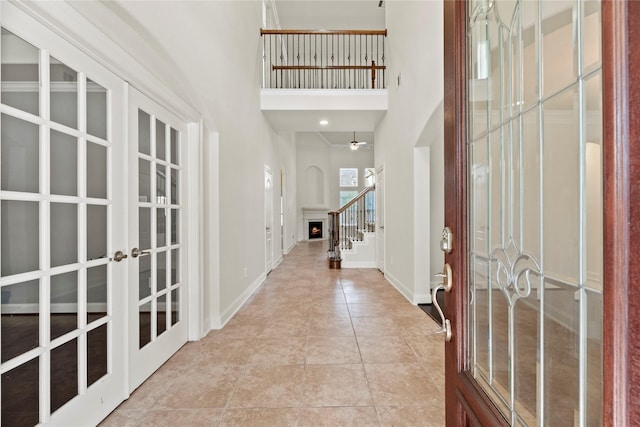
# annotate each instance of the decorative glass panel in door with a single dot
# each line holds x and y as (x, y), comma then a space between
(156, 277)
(535, 209)
(61, 333)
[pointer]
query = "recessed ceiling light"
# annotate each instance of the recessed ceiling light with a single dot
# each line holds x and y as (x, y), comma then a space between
(324, 122)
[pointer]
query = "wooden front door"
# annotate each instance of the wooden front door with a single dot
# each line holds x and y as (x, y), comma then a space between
(539, 165)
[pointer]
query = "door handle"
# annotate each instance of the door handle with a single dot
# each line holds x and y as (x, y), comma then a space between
(135, 253)
(118, 256)
(446, 285)
(446, 276)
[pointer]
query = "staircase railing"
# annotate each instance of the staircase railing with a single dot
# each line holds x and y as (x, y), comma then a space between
(351, 222)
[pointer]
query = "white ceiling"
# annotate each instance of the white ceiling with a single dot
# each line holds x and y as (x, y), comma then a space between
(345, 138)
(330, 14)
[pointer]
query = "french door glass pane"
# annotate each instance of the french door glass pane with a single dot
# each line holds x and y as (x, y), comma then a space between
(175, 239)
(175, 266)
(144, 274)
(97, 292)
(64, 374)
(161, 142)
(144, 133)
(20, 236)
(174, 147)
(97, 351)
(175, 306)
(20, 329)
(96, 110)
(96, 231)
(64, 233)
(144, 322)
(20, 400)
(64, 94)
(161, 221)
(174, 186)
(64, 303)
(144, 228)
(162, 314)
(20, 73)
(20, 155)
(535, 209)
(64, 164)
(161, 271)
(161, 184)
(144, 180)
(96, 171)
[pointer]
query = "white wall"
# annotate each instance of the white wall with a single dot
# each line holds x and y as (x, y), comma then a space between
(311, 151)
(433, 137)
(415, 52)
(287, 150)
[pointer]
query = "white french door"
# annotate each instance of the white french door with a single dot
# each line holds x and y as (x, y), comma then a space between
(157, 250)
(62, 358)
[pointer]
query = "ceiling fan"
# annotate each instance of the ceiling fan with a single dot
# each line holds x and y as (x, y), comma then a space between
(355, 144)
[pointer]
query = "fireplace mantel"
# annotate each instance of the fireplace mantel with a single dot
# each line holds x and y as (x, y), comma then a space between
(313, 214)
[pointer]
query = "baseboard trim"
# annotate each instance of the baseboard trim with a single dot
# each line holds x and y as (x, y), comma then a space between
(358, 264)
(422, 299)
(290, 248)
(239, 302)
(399, 286)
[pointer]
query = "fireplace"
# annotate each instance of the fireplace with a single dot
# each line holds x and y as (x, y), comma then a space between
(315, 230)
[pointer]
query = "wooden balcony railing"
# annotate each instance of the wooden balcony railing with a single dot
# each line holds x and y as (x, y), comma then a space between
(323, 59)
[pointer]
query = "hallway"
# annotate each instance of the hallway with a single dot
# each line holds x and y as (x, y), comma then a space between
(312, 347)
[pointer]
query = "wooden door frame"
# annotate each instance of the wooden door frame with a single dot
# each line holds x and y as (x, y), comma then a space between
(466, 403)
(621, 190)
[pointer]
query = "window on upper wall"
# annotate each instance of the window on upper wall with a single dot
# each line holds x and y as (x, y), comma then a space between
(369, 177)
(346, 196)
(348, 177)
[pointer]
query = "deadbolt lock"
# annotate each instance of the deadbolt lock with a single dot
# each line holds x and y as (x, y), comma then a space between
(446, 244)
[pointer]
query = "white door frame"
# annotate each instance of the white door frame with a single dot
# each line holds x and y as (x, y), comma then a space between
(381, 241)
(268, 218)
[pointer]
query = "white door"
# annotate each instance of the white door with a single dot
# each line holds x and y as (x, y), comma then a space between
(268, 218)
(62, 316)
(380, 219)
(157, 246)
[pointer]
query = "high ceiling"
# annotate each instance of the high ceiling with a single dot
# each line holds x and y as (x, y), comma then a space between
(330, 14)
(142, 26)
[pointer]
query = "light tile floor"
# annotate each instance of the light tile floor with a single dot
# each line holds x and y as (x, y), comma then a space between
(312, 347)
